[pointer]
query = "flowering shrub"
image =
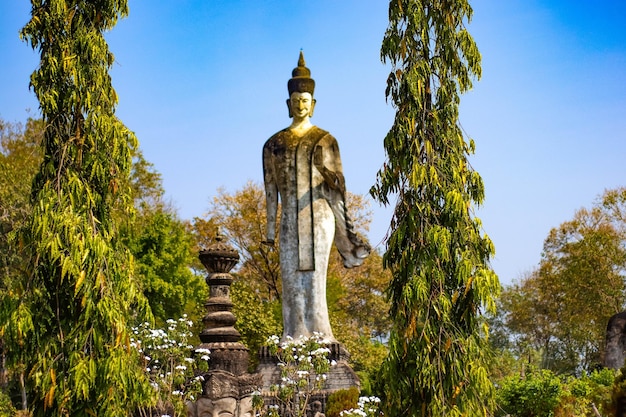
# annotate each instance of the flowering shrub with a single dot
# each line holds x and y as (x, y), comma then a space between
(171, 369)
(367, 407)
(304, 366)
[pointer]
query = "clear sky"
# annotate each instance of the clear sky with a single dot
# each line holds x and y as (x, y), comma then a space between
(203, 85)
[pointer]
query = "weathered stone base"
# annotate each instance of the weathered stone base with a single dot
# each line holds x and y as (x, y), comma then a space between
(341, 376)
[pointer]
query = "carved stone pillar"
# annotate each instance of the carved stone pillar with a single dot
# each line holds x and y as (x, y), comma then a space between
(227, 386)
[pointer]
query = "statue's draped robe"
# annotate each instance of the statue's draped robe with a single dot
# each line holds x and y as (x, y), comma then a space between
(306, 172)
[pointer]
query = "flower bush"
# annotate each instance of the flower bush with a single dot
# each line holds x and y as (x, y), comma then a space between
(304, 367)
(366, 407)
(166, 355)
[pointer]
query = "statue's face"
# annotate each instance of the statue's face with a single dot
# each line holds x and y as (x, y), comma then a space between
(224, 407)
(301, 105)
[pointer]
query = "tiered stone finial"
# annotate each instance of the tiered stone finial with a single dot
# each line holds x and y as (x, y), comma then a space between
(219, 258)
(219, 334)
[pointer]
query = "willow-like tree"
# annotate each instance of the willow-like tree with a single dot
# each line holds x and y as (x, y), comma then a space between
(436, 250)
(73, 309)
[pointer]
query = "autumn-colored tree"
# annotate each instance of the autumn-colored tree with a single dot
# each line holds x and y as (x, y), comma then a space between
(241, 219)
(562, 308)
(69, 324)
(436, 251)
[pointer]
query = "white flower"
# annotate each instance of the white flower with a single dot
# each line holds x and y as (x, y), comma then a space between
(333, 362)
(204, 358)
(203, 350)
(177, 392)
(181, 368)
(189, 360)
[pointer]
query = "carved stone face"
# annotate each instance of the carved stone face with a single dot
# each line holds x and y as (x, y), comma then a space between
(223, 407)
(301, 105)
(245, 407)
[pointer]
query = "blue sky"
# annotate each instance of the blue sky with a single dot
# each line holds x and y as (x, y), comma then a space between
(203, 85)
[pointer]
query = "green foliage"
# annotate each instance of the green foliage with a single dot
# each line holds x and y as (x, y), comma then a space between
(341, 400)
(71, 308)
(159, 241)
(541, 393)
(618, 394)
(256, 320)
(437, 255)
(588, 395)
(162, 247)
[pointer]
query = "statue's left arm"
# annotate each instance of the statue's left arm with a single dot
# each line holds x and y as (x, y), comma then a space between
(327, 161)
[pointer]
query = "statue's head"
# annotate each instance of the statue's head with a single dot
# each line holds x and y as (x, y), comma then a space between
(301, 87)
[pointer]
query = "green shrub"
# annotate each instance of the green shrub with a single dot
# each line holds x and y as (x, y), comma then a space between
(537, 394)
(341, 400)
(6, 407)
(543, 394)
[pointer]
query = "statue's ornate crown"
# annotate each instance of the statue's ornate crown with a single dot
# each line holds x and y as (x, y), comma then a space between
(301, 80)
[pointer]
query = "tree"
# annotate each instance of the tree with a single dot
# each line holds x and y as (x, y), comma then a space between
(158, 240)
(162, 247)
(562, 308)
(71, 313)
(437, 255)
